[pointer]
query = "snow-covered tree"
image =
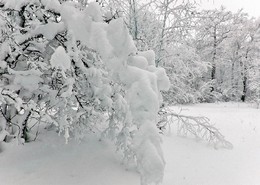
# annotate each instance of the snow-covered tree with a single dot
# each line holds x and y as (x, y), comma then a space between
(62, 64)
(213, 28)
(186, 69)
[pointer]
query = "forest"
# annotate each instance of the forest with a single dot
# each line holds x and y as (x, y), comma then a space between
(114, 68)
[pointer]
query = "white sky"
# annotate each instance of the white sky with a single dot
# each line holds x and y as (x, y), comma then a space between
(252, 7)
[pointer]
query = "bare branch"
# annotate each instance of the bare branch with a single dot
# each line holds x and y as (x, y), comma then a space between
(197, 126)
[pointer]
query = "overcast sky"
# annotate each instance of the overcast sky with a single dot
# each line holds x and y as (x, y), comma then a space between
(252, 7)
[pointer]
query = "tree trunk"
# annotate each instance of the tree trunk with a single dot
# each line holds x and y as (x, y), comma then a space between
(213, 70)
(243, 97)
(161, 42)
(25, 127)
(133, 19)
(232, 72)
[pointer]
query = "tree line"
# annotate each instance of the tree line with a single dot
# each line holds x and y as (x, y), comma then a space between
(209, 55)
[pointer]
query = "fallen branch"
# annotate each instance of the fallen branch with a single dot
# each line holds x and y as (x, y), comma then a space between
(197, 126)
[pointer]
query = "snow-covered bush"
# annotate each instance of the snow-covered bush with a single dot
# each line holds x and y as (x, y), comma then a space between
(61, 64)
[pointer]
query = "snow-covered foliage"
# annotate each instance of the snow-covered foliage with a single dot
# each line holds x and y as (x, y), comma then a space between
(63, 65)
(186, 69)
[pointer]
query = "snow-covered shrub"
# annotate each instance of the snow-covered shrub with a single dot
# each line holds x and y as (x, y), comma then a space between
(63, 65)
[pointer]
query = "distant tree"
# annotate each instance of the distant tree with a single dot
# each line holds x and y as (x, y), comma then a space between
(213, 28)
(186, 70)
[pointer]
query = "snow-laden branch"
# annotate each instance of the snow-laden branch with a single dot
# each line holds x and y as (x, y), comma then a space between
(197, 126)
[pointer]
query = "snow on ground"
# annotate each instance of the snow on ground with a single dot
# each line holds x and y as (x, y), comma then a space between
(52, 162)
(45, 162)
(192, 163)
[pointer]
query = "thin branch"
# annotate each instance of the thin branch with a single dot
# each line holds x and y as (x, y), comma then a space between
(197, 126)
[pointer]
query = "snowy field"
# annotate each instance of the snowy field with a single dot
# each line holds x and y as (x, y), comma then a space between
(50, 161)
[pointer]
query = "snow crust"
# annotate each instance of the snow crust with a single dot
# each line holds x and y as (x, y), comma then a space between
(49, 30)
(93, 11)
(28, 79)
(52, 5)
(149, 55)
(60, 59)
(138, 61)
